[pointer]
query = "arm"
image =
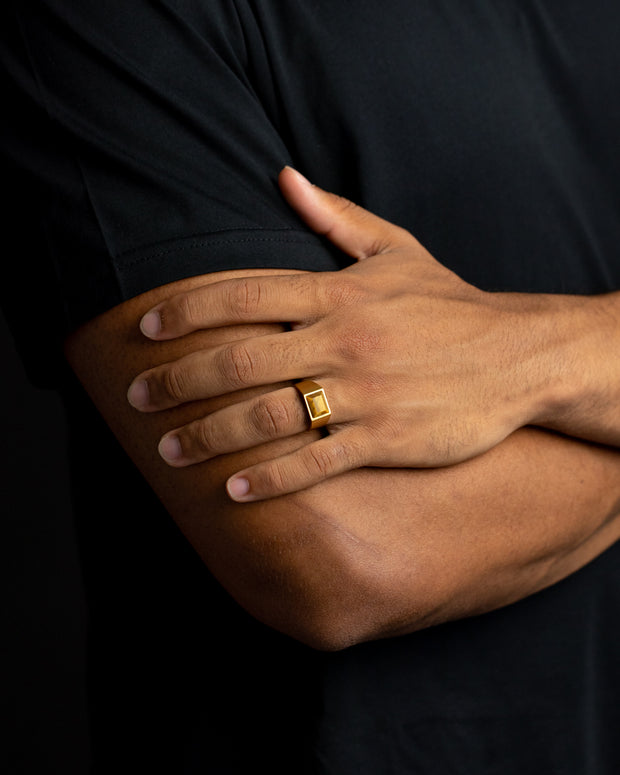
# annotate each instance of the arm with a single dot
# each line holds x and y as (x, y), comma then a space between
(421, 368)
(373, 552)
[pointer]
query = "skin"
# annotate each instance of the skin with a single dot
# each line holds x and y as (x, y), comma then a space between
(421, 369)
(370, 552)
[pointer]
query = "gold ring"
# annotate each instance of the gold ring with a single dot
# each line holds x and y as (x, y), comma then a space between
(315, 401)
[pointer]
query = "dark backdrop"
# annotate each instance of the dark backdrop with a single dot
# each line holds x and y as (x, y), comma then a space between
(42, 685)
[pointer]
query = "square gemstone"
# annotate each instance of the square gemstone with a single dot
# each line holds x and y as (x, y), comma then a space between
(317, 404)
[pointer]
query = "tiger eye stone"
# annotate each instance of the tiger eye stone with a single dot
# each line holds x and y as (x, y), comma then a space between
(317, 404)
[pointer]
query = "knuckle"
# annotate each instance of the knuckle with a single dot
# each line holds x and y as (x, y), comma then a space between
(345, 205)
(355, 449)
(384, 440)
(204, 437)
(187, 308)
(244, 298)
(271, 417)
(239, 366)
(174, 384)
(358, 342)
(358, 450)
(321, 459)
(345, 291)
(272, 478)
(388, 428)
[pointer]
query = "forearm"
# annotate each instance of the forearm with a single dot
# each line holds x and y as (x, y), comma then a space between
(381, 552)
(470, 538)
(372, 552)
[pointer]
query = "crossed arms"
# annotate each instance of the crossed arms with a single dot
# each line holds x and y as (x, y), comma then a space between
(369, 552)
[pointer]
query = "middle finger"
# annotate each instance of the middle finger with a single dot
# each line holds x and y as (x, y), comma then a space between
(225, 369)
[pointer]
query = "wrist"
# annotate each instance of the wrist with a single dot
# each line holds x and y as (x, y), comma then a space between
(540, 361)
(577, 341)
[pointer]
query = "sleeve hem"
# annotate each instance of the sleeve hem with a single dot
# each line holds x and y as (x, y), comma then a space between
(143, 269)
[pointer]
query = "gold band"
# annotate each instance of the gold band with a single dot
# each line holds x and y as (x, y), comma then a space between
(315, 401)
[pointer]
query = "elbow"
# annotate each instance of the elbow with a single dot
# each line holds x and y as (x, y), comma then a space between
(324, 619)
(353, 607)
(324, 611)
(321, 619)
(328, 636)
(301, 572)
(327, 591)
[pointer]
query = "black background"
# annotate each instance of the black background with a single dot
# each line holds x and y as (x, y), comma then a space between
(43, 685)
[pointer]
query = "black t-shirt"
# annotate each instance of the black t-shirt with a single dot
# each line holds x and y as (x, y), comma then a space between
(143, 142)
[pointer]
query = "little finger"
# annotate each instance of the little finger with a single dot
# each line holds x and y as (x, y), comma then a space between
(327, 457)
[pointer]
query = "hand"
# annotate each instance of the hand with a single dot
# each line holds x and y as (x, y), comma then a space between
(420, 368)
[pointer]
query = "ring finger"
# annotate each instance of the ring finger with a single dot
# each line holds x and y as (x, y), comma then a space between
(275, 415)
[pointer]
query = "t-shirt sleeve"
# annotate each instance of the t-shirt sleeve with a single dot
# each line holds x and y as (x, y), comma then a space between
(141, 150)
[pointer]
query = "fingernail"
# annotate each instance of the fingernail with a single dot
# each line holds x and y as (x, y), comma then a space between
(150, 325)
(170, 449)
(138, 394)
(302, 178)
(238, 488)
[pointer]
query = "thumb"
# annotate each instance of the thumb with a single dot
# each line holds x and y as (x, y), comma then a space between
(356, 231)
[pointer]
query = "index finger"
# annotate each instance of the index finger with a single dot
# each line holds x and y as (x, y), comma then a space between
(259, 299)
